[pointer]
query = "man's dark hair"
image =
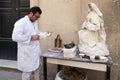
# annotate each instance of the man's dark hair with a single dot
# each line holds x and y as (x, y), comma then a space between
(35, 9)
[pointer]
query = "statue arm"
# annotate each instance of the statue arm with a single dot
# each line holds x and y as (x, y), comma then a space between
(90, 25)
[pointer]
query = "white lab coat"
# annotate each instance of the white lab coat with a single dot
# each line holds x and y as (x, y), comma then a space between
(28, 51)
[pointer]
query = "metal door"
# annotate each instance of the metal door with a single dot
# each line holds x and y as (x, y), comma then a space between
(10, 12)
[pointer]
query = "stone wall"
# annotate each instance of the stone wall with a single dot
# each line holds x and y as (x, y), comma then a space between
(65, 17)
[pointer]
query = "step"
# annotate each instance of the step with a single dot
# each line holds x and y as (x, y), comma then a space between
(8, 63)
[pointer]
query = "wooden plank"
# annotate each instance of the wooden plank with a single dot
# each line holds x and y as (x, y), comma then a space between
(86, 65)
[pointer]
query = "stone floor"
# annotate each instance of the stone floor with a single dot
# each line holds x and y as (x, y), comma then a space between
(10, 74)
(8, 71)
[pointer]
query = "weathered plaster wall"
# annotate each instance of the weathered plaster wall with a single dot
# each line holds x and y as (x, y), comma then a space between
(65, 17)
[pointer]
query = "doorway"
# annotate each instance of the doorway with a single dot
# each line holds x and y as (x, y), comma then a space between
(10, 12)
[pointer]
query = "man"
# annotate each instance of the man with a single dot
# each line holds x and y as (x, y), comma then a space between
(27, 35)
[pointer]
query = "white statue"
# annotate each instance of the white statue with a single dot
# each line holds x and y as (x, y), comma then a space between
(92, 36)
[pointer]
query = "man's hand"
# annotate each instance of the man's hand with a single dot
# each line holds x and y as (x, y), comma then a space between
(35, 37)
